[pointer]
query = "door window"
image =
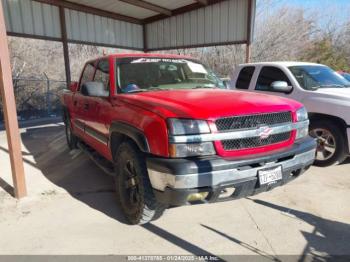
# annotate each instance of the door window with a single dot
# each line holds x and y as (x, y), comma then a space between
(244, 77)
(102, 73)
(269, 74)
(87, 74)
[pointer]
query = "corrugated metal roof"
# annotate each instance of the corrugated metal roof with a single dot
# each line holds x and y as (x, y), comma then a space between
(33, 18)
(101, 30)
(220, 22)
(171, 4)
(116, 6)
(215, 24)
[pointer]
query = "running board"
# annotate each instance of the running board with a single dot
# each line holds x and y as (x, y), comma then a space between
(99, 160)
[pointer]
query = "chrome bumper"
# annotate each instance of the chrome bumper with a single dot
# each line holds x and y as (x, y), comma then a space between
(160, 180)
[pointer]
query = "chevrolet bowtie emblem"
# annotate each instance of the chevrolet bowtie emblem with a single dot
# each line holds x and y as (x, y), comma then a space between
(264, 132)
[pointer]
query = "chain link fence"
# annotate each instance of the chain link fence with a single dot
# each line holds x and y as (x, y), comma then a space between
(37, 98)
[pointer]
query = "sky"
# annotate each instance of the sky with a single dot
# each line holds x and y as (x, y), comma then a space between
(338, 9)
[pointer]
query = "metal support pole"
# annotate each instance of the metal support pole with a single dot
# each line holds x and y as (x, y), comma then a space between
(10, 113)
(65, 44)
(248, 52)
(48, 96)
(249, 31)
(144, 36)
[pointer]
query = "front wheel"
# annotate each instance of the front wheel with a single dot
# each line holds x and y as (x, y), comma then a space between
(133, 188)
(331, 143)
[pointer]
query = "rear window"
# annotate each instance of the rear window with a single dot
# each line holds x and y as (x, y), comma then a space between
(244, 77)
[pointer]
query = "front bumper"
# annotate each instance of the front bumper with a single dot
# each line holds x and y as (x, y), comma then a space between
(173, 180)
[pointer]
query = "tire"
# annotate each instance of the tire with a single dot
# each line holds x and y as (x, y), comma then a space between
(331, 143)
(133, 188)
(72, 140)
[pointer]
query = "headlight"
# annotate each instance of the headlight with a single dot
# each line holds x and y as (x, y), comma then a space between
(187, 126)
(191, 149)
(302, 114)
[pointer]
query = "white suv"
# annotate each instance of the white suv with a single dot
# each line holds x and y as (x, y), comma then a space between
(325, 94)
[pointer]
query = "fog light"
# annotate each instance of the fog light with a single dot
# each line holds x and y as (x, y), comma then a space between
(197, 196)
(227, 192)
(302, 132)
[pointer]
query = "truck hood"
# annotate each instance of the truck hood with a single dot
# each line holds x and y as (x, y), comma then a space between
(208, 103)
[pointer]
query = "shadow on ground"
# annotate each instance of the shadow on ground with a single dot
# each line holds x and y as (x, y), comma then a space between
(70, 170)
(347, 161)
(328, 237)
(82, 179)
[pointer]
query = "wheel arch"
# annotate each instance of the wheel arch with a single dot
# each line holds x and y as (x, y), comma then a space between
(339, 122)
(120, 131)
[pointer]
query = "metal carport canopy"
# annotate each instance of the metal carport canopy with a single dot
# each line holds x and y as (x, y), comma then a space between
(134, 24)
(147, 25)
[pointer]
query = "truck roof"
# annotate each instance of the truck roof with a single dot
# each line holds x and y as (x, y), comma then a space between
(281, 63)
(122, 55)
(150, 55)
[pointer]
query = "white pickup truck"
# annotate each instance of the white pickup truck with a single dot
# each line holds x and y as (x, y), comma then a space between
(325, 94)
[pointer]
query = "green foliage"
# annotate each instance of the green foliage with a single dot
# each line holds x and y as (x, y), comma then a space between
(324, 51)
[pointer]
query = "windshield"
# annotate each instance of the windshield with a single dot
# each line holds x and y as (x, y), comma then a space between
(143, 74)
(314, 77)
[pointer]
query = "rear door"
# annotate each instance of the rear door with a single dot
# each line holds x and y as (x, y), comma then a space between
(244, 78)
(80, 101)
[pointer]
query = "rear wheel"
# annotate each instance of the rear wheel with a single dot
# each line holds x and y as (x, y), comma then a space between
(133, 188)
(331, 143)
(72, 140)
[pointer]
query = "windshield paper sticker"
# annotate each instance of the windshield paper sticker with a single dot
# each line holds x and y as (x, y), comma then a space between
(157, 60)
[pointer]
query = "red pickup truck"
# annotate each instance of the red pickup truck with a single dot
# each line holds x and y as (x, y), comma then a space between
(171, 135)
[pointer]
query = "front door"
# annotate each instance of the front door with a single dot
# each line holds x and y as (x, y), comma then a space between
(268, 75)
(96, 130)
(80, 102)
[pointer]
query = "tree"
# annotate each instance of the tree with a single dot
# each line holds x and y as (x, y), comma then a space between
(325, 52)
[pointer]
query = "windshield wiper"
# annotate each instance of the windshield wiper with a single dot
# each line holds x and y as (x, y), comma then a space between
(159, 88)
(136, 91)
(148, 89)
(197, 87)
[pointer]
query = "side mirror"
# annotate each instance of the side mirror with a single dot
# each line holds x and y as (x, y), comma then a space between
(95, 89)
(281, 86)
(73, 87)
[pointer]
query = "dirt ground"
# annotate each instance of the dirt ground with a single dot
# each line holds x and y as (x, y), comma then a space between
(71, 209)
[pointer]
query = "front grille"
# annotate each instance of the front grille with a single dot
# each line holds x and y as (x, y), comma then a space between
(252, 121)
(252, 142)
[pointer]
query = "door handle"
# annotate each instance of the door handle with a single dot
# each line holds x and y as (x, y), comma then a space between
(86, 106)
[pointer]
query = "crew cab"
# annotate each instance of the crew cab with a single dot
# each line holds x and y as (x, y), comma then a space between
(325, 94)
(171, 135)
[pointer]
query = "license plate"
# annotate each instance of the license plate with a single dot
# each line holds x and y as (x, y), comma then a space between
(270, 175)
